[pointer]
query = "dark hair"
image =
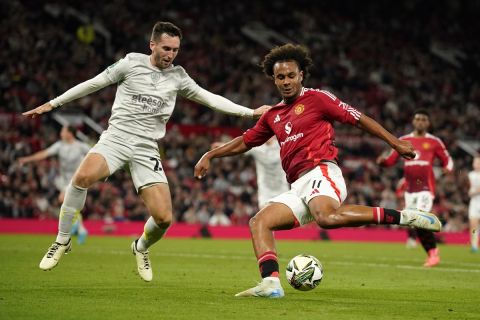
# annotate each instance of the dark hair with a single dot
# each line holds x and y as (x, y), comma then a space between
(70, 128)
(165, 27)
(297, 53)
(422, 112)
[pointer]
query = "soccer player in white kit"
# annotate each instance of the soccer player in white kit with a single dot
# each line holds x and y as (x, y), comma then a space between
(474, 206)
(271, 179)
(147, 88)
(70, 153)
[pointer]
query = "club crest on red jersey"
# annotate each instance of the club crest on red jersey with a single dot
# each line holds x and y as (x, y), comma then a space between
(299, 108)
(426, 145)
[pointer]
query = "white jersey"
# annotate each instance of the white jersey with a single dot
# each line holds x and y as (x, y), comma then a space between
(146, 95)
(474, 206)
(474, 178)
(69, 155)
(271, 179)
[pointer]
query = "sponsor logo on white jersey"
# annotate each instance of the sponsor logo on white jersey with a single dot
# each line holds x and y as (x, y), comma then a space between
(288, 127)
(277, 119)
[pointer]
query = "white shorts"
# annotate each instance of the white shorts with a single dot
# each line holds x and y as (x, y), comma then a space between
(474, 208)
(141, 155)
(422, 200)
(323, 180)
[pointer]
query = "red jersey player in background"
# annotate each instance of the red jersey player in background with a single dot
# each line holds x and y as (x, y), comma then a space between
(419, 177)
(303, 125)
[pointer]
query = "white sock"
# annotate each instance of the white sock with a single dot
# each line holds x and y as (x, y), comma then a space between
(474, 239)
(72, 205)
(152, 232)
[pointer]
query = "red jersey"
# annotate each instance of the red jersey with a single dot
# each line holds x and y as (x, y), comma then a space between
(418, 172)
(303, 129)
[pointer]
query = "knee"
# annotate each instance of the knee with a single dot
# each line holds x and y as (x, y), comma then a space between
(162, 219)
(83, 180)
(255, 223)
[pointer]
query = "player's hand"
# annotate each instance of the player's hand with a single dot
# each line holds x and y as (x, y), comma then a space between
(381, 159)
(405, 149)
(202, 167)
(257, 113)
(21, 161)
(46, 107)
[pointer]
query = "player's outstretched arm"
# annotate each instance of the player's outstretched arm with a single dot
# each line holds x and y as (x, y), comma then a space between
(46, 107)
(80, 90)
(40, 155)
(235, 146)
(257, 113)
(403, 147)
(222, 104)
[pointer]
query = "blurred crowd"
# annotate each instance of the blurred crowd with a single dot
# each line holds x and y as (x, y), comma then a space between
(387, 59)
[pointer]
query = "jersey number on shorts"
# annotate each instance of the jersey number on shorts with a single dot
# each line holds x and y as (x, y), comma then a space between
(156, 167)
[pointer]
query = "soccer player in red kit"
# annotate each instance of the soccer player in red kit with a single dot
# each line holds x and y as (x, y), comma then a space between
(303, 125)
(419, 177)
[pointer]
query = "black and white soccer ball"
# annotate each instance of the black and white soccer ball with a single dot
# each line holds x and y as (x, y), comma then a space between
(304, 272)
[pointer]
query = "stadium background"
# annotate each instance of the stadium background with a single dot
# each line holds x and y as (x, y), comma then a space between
(385, 58)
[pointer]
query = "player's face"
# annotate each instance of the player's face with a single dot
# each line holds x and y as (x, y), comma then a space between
(164, 50)
(288, 79)
(65, 134)
(421, 122)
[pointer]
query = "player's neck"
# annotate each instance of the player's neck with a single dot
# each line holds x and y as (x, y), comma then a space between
(419, 133)
(292, 99)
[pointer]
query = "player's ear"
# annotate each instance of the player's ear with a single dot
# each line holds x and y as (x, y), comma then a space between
(301, 76)
(152, 45)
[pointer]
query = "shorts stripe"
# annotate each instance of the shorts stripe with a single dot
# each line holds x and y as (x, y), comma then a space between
(324, 169)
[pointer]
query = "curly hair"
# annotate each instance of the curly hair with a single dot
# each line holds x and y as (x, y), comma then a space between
(297, 53)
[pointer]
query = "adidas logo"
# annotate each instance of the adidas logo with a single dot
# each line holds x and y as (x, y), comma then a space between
(277, 119)
(314, 191)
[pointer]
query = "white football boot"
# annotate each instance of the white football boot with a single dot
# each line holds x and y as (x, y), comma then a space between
(270, 287)
(420, 219)
(144, 266)
(54, 253)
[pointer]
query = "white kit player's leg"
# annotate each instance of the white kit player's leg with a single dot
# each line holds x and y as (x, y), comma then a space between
(72, 205)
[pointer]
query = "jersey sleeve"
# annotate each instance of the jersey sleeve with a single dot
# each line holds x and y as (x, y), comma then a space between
(192, 91)
(442, 153)
(112, 74)
(53, 149)
(259, 134)
(187, 87)
(391, 159)
(117, 71)
(337, 110)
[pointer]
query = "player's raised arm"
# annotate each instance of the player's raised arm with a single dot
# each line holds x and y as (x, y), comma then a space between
(403, 147)
(235, 146)
(111, 75)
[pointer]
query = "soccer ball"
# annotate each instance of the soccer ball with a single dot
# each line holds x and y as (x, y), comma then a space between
(304, 272)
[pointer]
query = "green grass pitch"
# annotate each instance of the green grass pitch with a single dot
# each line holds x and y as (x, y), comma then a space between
(197, 279)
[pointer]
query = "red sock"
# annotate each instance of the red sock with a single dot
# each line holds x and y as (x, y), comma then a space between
(385, 216)
(268, 264)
